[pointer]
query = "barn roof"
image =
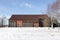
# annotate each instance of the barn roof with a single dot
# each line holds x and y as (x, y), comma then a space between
(23, 17)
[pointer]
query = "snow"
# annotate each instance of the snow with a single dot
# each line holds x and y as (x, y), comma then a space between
(30, 33)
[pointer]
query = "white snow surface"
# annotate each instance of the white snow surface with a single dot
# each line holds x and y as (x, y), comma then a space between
(30, 33)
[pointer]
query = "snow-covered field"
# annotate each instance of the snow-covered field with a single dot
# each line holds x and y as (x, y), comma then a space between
(44, 33)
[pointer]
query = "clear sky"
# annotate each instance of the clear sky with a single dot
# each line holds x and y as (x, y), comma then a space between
(9, 7)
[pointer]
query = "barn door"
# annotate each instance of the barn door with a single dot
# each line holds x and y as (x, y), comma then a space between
(27, 24)
(40, 22)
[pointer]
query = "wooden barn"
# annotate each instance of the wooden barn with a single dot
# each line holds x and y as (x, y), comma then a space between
(29, 21)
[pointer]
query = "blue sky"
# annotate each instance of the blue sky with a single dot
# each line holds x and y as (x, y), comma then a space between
(9, 7)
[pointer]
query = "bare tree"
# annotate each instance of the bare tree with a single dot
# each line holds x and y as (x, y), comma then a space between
(54, 10)
(2, 21)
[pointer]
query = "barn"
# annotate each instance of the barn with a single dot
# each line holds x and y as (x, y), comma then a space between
(29, 21)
